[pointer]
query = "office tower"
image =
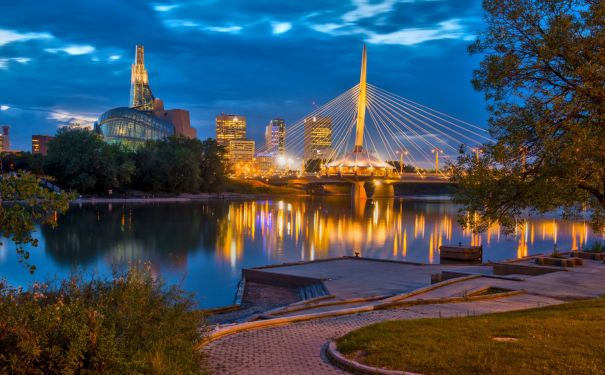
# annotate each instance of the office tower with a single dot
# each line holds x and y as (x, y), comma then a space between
(40, 144)
(317, 137)
(230, 127)
(5, 142)
(275, 137)
(240, 150)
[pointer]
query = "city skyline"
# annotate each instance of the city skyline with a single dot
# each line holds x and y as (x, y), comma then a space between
(285, 65)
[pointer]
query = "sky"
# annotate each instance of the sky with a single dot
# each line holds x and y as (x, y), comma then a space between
(69, 60)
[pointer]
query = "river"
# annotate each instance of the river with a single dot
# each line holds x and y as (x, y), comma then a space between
(204, 245)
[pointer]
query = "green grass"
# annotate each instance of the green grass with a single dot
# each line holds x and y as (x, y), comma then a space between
(258, 187)
(564, 339)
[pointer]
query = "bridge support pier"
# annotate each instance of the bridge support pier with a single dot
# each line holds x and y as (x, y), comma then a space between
(384, 191)
(358, 191)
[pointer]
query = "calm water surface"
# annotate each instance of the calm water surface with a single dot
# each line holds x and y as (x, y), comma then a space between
(204, 245)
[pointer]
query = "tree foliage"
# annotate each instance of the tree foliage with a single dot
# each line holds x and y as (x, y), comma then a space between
(79, 159)
(171, 165)
(23, 204)
(212, 166)
(542, 73)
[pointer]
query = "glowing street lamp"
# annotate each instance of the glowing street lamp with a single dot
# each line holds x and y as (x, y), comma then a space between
(477, 151)
(401, 153)
(437, 151)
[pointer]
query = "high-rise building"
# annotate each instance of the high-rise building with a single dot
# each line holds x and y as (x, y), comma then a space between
(317, 142)
(230, 127)
(5, 141)
(146, 119)
(275, 137)
(141, 96)
(240, 150)
(40, 143)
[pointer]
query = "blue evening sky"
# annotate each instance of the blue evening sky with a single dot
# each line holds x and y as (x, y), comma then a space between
(69, 60)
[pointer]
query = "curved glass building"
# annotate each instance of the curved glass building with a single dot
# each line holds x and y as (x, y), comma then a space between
(132, 127)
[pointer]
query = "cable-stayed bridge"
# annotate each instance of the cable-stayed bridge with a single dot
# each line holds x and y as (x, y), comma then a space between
(367, 133)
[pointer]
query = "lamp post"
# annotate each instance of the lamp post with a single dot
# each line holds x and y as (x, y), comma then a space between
(401, 153)
(477, 151)
(437, 151)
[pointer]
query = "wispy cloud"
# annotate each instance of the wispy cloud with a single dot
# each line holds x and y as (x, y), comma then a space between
(73, 50)
(364, 9)
(4, 62)
(165, 7)
(9, 36)
(67, 118)
(224, 29)
(451, 29)
(281, 27)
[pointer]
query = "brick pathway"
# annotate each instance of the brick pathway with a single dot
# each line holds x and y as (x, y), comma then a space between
(297, 348)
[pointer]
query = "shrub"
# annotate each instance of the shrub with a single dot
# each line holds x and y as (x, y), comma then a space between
(132, 324)
(595, 247)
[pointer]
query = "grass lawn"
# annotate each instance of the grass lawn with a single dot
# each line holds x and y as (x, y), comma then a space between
(258, 187)
(564, 339)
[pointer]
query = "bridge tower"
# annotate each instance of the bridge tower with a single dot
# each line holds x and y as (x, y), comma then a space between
(360, 165)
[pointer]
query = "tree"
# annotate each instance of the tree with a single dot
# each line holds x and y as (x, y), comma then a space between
(79, 159)
(22, 161)
(170, 165)
(212, 167)
(542, 74)
(23, 203)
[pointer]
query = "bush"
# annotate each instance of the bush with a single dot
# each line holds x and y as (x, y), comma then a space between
(132, 324)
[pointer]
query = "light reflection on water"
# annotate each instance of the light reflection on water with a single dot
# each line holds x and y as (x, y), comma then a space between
(204, 245)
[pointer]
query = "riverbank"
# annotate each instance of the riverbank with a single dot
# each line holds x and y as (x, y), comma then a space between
(359, 292)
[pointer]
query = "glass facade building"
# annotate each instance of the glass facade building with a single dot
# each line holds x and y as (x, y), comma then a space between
(132, 127)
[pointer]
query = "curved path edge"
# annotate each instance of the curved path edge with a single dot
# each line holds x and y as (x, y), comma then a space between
(339, 360)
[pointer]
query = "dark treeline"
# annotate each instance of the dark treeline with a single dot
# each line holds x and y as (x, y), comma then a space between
(80, 160)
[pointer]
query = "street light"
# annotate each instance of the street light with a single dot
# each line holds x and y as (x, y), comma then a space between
(477, 151)
(401, 153)
(437, 151)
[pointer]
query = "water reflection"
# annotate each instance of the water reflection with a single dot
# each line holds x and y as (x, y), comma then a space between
(205, 244)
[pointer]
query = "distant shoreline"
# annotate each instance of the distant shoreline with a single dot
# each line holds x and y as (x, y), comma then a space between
(178, 198)
(203, 197)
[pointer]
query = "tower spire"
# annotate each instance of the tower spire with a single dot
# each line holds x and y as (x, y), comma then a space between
(361, 104)
(141, 96)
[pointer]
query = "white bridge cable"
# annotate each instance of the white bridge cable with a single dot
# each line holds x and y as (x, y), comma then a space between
(432, 112)
(382, 136)
(345, 95)
(378, 116)
(401, 111)
(384, 117)
(334, 109)
(403, 120)
(297, 132)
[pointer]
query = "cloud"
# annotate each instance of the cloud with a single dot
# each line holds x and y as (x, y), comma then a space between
(224, 29)
(363, 9)
(450, 29)
(5, 61)
(66, 118)
(165, 7)
(115, 57)
(74, 50)
(281, 27)
(9, 36)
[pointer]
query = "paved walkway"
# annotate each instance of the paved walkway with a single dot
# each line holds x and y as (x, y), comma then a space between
(297, 348)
